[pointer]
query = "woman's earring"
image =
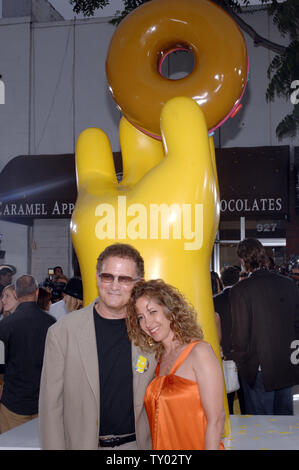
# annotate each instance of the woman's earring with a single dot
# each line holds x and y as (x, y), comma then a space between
(150, 341)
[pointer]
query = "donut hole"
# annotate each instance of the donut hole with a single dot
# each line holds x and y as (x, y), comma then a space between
(176, 63)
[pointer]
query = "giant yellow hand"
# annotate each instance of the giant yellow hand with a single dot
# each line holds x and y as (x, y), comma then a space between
(167, 205)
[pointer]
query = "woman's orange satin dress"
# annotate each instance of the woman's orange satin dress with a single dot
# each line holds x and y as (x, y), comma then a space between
(173, 405)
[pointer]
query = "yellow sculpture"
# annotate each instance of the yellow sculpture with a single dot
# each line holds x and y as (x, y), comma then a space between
(167, 204)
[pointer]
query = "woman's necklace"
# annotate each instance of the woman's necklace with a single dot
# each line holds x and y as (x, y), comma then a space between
(168, 359)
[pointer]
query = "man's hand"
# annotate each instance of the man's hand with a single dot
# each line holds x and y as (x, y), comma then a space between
(167, 205)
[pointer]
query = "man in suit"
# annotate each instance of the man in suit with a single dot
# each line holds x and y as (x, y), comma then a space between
(229, 277)
(91, 392)
(24, 335)
(265, 323)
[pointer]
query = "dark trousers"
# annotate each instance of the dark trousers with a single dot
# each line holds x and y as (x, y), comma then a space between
(259, 402)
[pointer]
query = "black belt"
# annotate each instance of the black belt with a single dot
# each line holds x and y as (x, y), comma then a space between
(116, 441)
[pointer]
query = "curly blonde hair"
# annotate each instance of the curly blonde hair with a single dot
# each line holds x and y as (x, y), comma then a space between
(72, 303)
(177, 309)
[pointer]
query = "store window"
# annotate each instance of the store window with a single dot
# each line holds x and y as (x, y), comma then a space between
(265, 228)
(271, 234)
(254, 201)
(229, 230)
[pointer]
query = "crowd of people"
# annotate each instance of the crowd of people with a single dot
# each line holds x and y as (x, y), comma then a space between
(133, 370)
(27, 311)
(57, 294)
(259, 315)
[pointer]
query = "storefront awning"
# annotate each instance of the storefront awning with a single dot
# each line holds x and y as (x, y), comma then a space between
(38, 186)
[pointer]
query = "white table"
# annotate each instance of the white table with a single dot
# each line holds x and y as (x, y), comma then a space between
(248, 433)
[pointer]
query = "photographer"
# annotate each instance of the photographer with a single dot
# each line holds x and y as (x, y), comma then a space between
(55, 282)
(58, 284)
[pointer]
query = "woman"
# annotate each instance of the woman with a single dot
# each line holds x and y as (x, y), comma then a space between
(184, 401)
(9, 300)
(72, 303)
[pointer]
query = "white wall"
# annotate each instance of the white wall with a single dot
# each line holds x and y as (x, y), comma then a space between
(51, 246)
(45, 57)
(14, 65)
(255, 124)
(69, 91)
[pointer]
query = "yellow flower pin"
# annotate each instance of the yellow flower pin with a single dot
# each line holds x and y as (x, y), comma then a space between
(141, 364)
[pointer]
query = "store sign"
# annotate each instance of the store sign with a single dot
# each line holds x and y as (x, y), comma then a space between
(47, 209)
(253, 181)
(251, 205)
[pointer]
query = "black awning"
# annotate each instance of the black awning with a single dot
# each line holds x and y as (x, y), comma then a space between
(38, 186)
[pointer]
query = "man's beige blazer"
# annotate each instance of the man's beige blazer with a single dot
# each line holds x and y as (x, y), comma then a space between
(69, 403)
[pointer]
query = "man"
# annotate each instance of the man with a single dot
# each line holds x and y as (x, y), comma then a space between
(91, 392)
(57, 285)
(265, 322)
(58, 271)
(24, 335)
(229, 276)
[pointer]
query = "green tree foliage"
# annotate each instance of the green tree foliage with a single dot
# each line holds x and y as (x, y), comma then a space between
(284, 68)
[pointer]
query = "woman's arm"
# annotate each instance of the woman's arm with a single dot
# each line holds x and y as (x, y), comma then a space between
(210, 383)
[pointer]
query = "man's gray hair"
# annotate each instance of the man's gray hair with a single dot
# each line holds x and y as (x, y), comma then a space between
(26, 285)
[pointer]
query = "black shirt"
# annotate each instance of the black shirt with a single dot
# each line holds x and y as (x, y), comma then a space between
(24, 335)
(116, 376)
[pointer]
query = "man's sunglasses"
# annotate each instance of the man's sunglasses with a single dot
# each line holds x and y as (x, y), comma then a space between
(123, 280)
